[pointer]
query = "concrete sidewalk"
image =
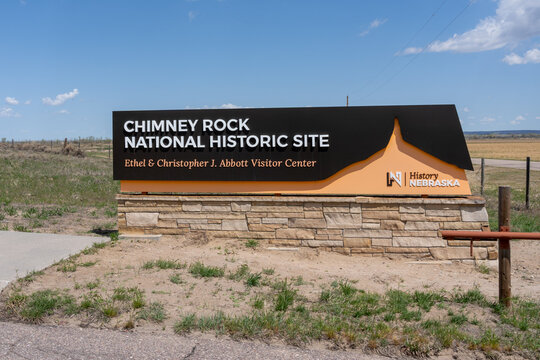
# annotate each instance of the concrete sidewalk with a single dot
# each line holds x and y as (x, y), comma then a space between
(22, 252)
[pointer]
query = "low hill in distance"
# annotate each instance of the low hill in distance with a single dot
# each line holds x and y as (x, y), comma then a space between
(502, 134)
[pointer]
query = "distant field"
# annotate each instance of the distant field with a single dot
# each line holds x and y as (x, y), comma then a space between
(44, 191)
(512, 149)
(522, 219)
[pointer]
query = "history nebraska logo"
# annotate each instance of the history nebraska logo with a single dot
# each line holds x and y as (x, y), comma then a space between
(393, 177)
(419, 179)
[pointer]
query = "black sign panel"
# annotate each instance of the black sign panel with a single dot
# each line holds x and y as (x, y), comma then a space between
(274, 144)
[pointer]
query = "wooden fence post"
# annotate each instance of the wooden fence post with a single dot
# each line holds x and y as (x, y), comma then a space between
(527, 182)
(482, 177)
(505, 283)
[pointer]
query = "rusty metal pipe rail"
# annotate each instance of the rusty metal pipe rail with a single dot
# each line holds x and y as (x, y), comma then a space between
(488, 235)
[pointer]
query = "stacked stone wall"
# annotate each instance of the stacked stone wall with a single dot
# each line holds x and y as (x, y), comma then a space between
(350, 225)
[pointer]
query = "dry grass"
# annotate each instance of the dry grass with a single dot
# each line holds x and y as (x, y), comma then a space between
(43, 191)
(515, 149)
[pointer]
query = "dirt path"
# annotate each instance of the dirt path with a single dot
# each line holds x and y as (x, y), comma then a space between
(514, 164)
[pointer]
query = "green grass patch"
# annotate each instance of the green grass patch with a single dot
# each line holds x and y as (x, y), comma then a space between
(284, 297)
(133, 295)
(253, 280)
(482, 269)
(30, 277)
(92, 285)
(241, 272)
(198, 269)
(67, 266)
(45, 302)
(163, 264)
(20, 228)
(472, 296)
(176, 279)
(155, 312)
(252, 244)
(10, 210)
(94, 248)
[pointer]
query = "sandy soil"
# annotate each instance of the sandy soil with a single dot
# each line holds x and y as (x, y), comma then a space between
(121, 265)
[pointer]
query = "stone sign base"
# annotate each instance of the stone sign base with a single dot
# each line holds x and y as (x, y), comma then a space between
(348, 225)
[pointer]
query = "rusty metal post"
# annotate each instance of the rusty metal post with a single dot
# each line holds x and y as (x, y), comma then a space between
(527, 182)
(482, 177)
(505, 283)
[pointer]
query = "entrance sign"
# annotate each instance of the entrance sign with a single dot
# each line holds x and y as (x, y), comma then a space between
(392, 150)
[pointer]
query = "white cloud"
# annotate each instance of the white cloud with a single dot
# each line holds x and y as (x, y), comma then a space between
(517, 120)
(531, 56)
(376, 23)
(410, 51)
(229, 106)
(27, 102)
(12, 100)
(487, 119)
(63, 111)
(192, 15)
(60, 98)
(514, 21)
(8, 112)
(373, 25)
(538, 118)
(466, 109)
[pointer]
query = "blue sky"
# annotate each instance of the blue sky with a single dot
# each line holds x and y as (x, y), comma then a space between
(65, 65)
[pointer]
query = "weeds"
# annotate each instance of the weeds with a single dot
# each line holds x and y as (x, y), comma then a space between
(176, 279)
(88, 263)
(252, 244)
(10, 210)
(154, 312)
(253, 280)
(186, 324)
(92, 285)
(163, 264)
(109, 310)
(42, 303)
(473, 296)
(258, 303)
(20, 228)
(284, 297)
(30, 277)
(94, 248)
(67, 266)
(241, 272)
(482, 269)
(198, 269)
